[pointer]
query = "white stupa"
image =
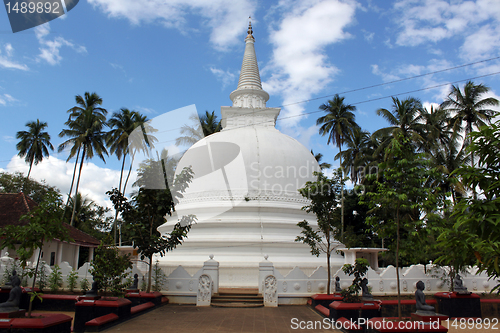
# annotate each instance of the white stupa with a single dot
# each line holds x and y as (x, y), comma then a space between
(244, 194)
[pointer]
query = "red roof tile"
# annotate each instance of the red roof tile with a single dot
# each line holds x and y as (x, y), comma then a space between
(15, 205)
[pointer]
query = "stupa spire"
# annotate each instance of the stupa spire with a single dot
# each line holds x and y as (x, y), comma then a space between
(249, 93)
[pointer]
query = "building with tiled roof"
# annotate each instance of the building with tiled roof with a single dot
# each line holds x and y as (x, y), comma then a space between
(15, 205)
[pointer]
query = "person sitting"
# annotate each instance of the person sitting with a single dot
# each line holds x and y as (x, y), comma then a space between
(93, 292)
(12, 303)
(338, 289)
(365, 293)
(135, 284)
(458, 285)
(420, 298)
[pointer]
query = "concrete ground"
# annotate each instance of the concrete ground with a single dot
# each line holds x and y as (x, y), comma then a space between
(190, 319)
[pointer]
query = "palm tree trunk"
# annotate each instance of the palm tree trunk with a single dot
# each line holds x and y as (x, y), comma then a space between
(150, 273)
(397, 263)
(34, 280)
(129, 171)
(73, 179)
(119, 189)
(342, 190)
(76, 189)
(29, 171)
(328, 254)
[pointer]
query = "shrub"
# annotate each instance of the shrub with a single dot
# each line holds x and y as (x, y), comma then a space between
(41, 276)
(159, 277)
(72, 280)
(55, 279)
(359, 270)
(84, 284)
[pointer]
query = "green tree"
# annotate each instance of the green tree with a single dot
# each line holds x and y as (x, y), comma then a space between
(476, 229)
(109, 269)
(323, 194)
(89, 217)
(122, 124)
(354, 156)
(404, 120)
(209, 123)
(402, 194)
(338, 124)
(201, 127)
(147, 210)
(86, 124)
(34, 144)
(16, 182)
(319, 157)
(471, 108)
(359, 270)
(44, 224)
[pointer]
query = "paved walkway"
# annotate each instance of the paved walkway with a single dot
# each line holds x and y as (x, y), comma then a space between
(190, 319)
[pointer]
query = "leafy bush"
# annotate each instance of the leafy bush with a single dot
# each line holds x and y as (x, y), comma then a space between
(41, 276)
(72, 280)
(13, 266)
(55, 279)
(84, 284)
(109, 270)
(359, 270)
(159, 277)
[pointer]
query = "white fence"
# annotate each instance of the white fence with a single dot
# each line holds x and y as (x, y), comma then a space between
(183, 286)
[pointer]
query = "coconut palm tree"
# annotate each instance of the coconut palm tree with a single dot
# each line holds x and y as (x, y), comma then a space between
(354, 156)
(203, 126)
(209, 123)
(404, 119)
(338, 124)
(86, 124)
(318, 157)
(437, 129)
(470, 108)
(34, 144)
(141, 139)
(122, 124)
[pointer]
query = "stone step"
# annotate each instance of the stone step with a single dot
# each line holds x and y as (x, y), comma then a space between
(237, 298)
(241, 291)
(236, 305)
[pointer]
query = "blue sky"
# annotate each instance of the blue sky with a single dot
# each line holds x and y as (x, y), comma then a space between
(159, 55)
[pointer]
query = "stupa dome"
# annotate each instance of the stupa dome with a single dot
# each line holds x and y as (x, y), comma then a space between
(244, 192)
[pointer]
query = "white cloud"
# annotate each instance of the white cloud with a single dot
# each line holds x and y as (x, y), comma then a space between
(226, 77)
(49, 49)
(299, 65)
(145, 110)
(6, 98)
(6, 60)
(303, 135)
(225, 18)
(476, 22)
(368, 36)
(410, 70)
(94, 183)
(8, 138)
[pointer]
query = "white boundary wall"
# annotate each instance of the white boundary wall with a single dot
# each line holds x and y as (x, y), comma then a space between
(294, 286)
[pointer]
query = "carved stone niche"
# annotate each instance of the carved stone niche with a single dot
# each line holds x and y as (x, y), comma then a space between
(204, 294)
(270, 291)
